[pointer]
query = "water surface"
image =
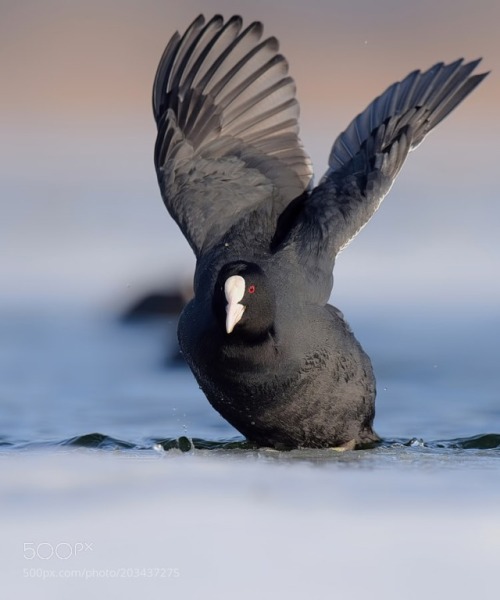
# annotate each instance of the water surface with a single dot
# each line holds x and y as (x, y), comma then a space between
(117, 476)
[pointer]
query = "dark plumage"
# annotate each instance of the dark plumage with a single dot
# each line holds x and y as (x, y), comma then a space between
(271, 355)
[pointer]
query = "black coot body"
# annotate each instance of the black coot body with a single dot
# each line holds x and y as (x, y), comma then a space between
(272, 356)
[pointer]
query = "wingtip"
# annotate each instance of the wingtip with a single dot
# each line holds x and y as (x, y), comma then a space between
(199, 20)
(236, 19)
(197, 23)
(479, 77)
(472, 64)
(476, 62)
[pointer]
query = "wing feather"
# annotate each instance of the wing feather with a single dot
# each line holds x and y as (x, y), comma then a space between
(366, 158)
(227, 123)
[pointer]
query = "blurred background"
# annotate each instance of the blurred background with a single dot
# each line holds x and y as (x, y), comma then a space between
(82, 219)
(84, 233)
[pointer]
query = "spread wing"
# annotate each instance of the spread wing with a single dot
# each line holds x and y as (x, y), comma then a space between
(227, 140)
(368, 155)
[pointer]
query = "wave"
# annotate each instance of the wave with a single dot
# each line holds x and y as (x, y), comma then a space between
(99, 441)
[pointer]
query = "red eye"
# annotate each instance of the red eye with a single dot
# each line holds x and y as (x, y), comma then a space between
(251, 289)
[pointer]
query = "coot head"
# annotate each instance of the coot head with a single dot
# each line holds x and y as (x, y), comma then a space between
(244, 302)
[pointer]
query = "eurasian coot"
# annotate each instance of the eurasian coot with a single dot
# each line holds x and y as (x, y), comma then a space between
(272, 356)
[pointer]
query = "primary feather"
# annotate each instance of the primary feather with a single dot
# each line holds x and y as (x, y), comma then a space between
(226, 113)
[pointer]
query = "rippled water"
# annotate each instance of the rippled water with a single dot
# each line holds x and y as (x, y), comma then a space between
(107, 444)
(77, 379)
